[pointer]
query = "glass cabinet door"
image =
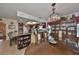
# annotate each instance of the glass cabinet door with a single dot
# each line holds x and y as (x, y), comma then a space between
(77, 33)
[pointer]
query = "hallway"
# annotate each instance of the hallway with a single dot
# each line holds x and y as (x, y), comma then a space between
(46, 49)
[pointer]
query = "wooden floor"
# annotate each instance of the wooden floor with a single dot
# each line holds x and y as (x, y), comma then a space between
(5, 49)
(45, 48)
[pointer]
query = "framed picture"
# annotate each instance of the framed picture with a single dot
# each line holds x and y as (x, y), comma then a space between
(11, 27)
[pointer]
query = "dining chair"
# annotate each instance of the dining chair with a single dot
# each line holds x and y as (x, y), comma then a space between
(10, 34)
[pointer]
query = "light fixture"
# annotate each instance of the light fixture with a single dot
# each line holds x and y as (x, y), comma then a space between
(54, 16)
(53, 9)
(31, 23)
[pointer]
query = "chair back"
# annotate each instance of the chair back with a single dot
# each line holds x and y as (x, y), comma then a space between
(10, 34)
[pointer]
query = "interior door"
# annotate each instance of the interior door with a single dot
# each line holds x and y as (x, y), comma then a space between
(2, 31)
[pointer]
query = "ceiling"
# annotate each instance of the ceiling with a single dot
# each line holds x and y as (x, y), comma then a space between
(43, 10)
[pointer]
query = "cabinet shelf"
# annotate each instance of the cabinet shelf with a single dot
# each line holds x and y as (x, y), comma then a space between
(23, 41)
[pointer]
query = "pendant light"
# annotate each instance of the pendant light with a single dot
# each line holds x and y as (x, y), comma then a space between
(54, 16)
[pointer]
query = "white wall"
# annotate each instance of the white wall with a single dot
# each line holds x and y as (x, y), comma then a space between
(8, 22)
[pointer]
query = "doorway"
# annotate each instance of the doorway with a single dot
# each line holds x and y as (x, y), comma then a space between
(2, 31)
